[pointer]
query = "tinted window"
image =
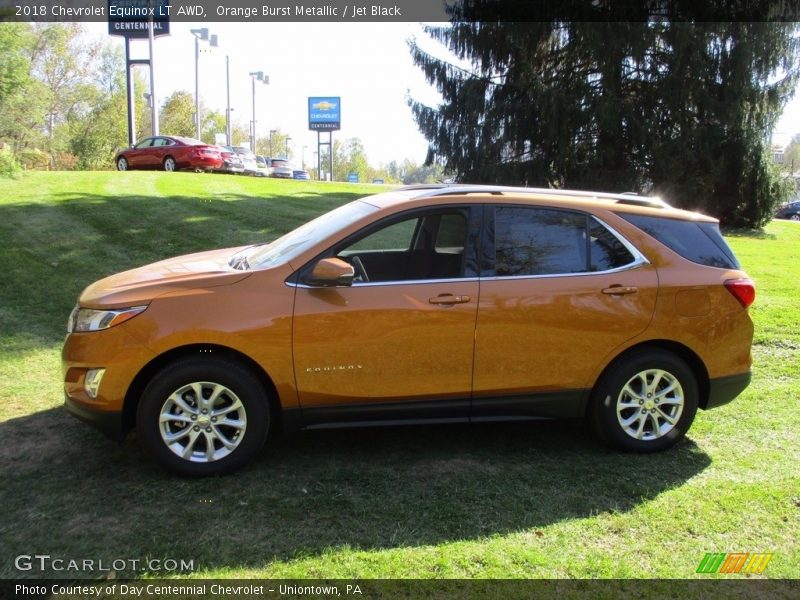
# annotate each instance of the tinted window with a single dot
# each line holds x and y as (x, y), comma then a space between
(533, 241)
(452, 232)
(699, 242)
(606, 251)
(145, 143)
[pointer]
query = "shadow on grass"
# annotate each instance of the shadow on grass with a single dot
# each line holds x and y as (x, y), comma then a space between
(756, 234)
(69, 492)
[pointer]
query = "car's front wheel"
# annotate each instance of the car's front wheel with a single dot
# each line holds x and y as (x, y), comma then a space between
(203, 416)
(122, 164)
(645, 402)
(795, 217)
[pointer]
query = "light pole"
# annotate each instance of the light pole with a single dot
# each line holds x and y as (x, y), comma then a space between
(271, 131)
(288, 139)
(228, 106)
(304, 157)
(256, 75)
(153, 105)
(316, 162)
(199, 34)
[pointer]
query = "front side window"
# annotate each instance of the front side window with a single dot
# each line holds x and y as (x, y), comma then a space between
(541, 241)
(424, 246)
(144, 143)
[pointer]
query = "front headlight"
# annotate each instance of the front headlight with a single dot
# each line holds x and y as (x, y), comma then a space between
(88, 319)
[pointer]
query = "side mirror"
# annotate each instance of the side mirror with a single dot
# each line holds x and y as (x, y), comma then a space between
(331, 272)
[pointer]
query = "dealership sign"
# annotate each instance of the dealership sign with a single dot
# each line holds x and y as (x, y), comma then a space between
(324, 113)
(131, 17)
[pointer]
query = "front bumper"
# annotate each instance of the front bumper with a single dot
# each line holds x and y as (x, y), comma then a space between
(122, 356)
(109, 422)
(722, 390)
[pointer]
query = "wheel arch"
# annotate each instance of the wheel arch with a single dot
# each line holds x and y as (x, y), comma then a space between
(689, 356)
(137, 386)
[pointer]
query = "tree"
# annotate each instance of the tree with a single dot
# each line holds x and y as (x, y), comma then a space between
(350, 157)
(676, 108)
(177, 115)
(275, 145)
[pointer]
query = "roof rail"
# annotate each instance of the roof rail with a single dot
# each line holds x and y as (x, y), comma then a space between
(444, 189)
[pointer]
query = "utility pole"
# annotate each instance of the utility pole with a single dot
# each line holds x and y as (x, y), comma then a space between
(154, 104)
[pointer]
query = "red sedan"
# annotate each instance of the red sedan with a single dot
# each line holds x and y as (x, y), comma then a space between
(169, 153)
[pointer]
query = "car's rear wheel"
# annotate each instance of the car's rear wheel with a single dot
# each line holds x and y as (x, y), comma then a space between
(122, 164)
(203, 416)
(645, 402)
(169, 164)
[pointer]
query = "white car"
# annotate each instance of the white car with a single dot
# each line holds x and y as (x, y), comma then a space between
(281, 168)
(248, 159)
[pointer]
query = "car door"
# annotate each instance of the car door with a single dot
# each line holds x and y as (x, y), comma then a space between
(158, 152)
(136, 156)
(560, 290)
(398, 342)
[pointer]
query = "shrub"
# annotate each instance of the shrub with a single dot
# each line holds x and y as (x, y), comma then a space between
(9, 167)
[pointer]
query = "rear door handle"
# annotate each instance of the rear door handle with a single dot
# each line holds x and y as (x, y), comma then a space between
(448, 299)
(620, 290)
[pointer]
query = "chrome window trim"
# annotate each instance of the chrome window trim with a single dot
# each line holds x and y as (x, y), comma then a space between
(635, 264)
(637, 255)
(383, 283)
(639, 260)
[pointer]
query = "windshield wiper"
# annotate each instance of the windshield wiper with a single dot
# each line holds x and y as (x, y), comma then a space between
(239, 262)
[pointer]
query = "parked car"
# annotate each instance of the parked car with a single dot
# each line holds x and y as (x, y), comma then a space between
(247, 157)
(263, 166)
(789, 211)
(170, 153)
(423, 304)
(231, 162)
(301, 174)
(281, 168)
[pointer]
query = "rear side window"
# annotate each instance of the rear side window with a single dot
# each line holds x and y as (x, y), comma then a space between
(540, 241)
(698, 242)
(606, 251)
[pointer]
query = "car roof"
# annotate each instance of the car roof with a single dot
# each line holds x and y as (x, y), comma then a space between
(625, 202)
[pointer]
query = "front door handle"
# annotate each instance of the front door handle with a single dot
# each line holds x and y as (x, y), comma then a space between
(620, 290)
(448, 299)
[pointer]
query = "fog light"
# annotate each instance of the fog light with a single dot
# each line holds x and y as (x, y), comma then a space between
(92, 382)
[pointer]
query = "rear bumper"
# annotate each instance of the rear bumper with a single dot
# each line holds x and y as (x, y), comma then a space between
(724, 389)
(110, 423)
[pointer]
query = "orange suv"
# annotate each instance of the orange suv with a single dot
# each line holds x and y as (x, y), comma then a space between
(423, 304)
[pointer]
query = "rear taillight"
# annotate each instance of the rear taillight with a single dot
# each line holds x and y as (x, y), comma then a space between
(744, 290)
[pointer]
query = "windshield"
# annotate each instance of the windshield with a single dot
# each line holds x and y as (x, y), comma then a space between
(301, 239)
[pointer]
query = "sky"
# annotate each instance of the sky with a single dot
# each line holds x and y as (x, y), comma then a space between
(367, 64)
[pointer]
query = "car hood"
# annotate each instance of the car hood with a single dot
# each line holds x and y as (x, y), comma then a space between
(141, 285)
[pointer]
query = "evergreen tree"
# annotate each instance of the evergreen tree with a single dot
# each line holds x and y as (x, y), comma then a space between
(675, 108)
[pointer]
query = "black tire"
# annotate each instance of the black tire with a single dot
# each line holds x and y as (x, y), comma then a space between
(655, 419)
(122, 164)
(170, 165)
(239, 384)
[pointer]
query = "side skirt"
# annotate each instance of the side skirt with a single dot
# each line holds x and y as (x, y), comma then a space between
(523, 407)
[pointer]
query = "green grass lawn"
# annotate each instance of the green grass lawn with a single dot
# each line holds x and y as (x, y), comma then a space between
(491, 501)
